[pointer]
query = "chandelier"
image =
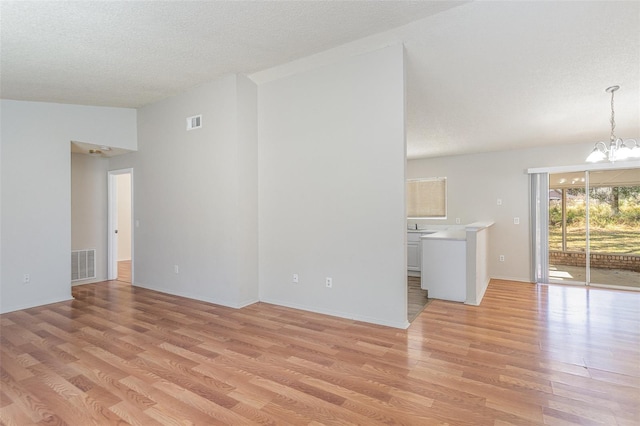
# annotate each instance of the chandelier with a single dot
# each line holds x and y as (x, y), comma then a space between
(617, 149)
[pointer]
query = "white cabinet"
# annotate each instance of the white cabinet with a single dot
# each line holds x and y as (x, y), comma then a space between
(414, 255)
(446, 260)
(455, 263)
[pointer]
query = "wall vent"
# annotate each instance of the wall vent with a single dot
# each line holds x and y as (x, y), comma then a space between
(83, 264)
(194, 122)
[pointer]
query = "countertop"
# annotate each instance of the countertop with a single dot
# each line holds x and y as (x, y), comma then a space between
(458, 233)
(430, 229)
(453, 235)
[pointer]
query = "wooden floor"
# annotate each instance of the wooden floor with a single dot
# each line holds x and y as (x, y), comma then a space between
(124, 271)
(120, 354)
(416, 298)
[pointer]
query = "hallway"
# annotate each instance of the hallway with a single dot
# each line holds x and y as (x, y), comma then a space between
(124, 271)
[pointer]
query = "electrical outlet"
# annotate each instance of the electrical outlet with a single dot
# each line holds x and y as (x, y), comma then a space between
(176, 269)
(516, 221)
(499, 202)
(328, 282)
(295, 278)
(26, 279)
(457, 221)
(501, 258)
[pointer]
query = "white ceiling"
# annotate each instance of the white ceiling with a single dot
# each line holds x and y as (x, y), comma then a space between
(481, 76)
(96, 150)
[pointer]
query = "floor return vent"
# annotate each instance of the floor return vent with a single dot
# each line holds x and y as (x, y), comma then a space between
(83, 264)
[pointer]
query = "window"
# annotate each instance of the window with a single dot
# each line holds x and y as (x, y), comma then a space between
(427, 198)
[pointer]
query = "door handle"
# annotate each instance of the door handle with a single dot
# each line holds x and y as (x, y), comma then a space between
(116, 231)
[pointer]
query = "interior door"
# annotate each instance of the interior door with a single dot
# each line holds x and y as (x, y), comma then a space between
(120, 228)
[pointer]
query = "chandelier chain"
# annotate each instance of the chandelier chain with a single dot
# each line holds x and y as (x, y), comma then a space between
(617, 148)
(613, 118)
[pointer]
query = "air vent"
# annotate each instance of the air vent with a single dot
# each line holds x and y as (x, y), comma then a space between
(194, 122)
(83, 264)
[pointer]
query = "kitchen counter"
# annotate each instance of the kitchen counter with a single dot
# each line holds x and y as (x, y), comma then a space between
(454, 235)
(458, 233)
(455, 263)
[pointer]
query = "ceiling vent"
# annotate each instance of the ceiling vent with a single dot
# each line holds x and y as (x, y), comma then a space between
(194, 122)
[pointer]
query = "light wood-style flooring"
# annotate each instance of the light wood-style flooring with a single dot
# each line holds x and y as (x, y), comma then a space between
(119, 354)
(416, 298)
(124, 271)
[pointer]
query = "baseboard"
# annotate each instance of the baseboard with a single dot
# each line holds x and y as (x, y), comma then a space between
(519, 279)
(88, 281)
(199, 298)
(36, 304)
(478, 299)
(402, 325)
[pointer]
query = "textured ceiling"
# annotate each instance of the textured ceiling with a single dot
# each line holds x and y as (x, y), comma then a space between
(132, 53)
(504, 75)
(481, 76)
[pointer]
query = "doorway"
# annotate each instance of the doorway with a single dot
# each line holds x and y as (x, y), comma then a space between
(594, 228)
(120, 225)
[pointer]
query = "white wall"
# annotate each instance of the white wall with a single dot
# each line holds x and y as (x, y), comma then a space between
(195, 194)
(124, 216)
(476, 181)
(331, 192)
(36, 192)
(246, 217)
(89, 209)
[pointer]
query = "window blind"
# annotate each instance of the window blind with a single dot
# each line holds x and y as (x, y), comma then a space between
(427, 198)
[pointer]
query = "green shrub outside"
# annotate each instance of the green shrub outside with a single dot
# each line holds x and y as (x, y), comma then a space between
(609, 232)
(600, 215)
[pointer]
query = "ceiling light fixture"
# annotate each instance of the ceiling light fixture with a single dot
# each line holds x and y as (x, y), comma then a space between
(618, 149)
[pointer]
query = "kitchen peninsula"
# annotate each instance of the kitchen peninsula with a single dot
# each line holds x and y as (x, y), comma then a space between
(455, 263)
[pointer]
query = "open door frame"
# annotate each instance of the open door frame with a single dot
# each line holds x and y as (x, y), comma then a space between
(112, 202)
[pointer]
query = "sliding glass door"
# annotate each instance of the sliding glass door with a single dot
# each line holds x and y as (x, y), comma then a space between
(594, 228)
(567, 227)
